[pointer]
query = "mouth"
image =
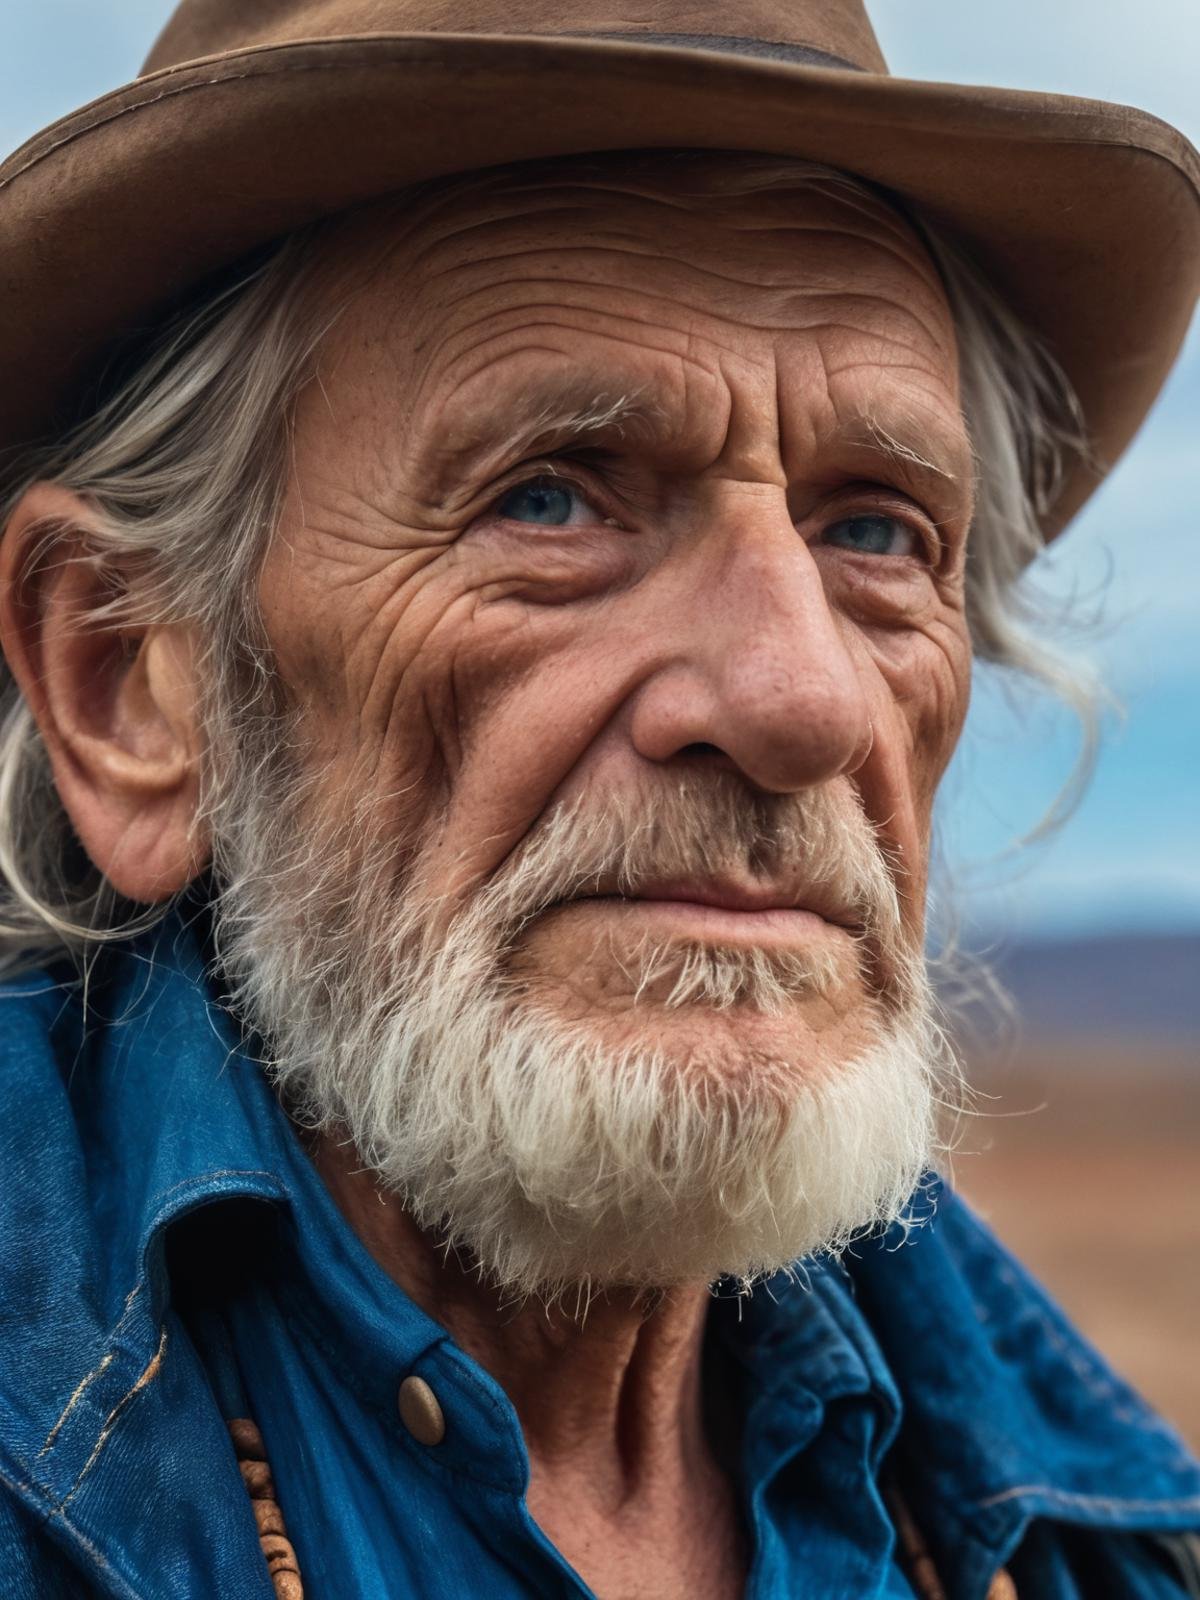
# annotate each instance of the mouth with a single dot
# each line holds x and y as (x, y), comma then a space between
(761, 916)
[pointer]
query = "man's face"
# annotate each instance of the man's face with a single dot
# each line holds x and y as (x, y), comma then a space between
(603, 493)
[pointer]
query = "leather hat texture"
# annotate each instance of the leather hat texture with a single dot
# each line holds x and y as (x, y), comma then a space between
(253, 117)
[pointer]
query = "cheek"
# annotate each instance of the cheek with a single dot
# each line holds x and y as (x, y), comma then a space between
(449, 682)
(933, 687)
(928, 679)
(921, 686)
(532, 691)
(447, 707)
(913, 638)
(350, 633)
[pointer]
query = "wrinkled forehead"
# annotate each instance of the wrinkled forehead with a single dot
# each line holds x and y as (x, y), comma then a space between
(804, 222)
(762, 245)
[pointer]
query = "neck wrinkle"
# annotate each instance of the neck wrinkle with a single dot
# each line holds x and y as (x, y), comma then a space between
(611, 1397)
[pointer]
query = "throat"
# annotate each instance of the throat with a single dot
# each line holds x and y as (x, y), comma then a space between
(677, 1539)
(631, 1474)
(637, 1488)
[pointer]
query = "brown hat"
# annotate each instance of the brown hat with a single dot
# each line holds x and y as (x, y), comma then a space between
(255, 116)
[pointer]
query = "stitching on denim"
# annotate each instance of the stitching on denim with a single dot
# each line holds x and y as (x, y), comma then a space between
(1099, 1383)
(208, 1177)
(146, 1378)
(17, 1490)
(127, 1310)
(76, 1395)
(89, 1377)
(1068, 1497)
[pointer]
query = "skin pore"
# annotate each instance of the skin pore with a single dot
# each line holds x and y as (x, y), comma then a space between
(598, 485)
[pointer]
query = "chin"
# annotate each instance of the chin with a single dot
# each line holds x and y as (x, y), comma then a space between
(804, 1040)
(569, 1123)
(705, 1145)
(720, 1010)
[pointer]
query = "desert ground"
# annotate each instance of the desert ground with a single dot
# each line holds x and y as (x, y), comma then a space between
(1083, 1158)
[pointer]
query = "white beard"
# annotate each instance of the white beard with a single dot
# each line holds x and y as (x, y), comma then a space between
(561, 1161)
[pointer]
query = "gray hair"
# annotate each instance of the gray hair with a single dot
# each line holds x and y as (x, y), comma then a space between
(184, 462)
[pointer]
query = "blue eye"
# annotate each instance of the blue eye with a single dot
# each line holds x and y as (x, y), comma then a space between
(872, 535)
(547, 501)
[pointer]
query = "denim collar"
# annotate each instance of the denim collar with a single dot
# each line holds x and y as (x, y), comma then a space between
(120, 1122)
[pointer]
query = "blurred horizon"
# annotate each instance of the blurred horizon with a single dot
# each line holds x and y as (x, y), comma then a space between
(1125, 862)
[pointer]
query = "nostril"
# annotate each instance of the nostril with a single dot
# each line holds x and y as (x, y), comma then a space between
(703, 752)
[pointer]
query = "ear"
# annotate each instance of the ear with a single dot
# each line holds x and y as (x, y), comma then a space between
(117, 706)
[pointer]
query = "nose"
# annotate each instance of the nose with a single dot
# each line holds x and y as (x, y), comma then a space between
(755, 670)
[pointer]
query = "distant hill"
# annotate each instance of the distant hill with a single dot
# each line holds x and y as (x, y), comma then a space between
(1144, 985)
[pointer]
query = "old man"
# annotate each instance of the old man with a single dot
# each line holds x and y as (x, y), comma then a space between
(498, 514)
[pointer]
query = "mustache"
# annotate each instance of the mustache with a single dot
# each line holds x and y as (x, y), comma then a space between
(814, 847)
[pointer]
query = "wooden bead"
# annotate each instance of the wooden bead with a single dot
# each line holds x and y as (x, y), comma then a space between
(279, 1553)
(280, 1557)
(268, 1517)
(247, 1441)
(282, 1566)
(256, 1475)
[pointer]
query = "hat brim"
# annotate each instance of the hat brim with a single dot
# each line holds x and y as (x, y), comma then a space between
(1085, 214)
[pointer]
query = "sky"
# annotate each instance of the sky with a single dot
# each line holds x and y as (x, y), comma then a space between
(1130, 566)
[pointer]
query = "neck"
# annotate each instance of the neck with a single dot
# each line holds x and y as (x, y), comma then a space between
(614, 1381)
(609, 1394)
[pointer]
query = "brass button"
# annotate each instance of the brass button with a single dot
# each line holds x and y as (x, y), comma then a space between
(420, 1412)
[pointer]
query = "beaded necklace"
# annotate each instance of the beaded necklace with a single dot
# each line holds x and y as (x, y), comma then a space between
(285, 1570)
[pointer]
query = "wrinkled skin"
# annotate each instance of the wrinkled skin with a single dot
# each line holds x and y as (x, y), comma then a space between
(461, 666)
(693, 611)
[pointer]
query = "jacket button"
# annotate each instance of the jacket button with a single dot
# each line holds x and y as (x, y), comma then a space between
(420, 1412)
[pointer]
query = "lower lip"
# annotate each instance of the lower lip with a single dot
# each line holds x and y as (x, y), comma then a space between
(778, 926)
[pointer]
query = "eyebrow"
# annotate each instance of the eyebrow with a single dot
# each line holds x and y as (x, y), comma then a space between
(907, 448)
(921, 459)
(560, 420)
(899, 452)
(542, 418)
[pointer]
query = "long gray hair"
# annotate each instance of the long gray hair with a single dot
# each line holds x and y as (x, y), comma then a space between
(184, 461)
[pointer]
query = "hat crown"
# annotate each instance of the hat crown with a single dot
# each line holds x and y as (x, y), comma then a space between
(837, 29)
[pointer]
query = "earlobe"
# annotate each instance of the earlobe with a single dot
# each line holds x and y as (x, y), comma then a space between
(116, 702)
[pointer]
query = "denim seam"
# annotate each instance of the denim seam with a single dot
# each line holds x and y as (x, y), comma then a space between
(1096, 1379)
(205, 1178)
(21, 1493)
(101, 1366)
(145, 1378)
(1101, 1502)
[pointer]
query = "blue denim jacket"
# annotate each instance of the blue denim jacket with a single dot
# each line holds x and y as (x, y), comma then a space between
(125, 1129)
